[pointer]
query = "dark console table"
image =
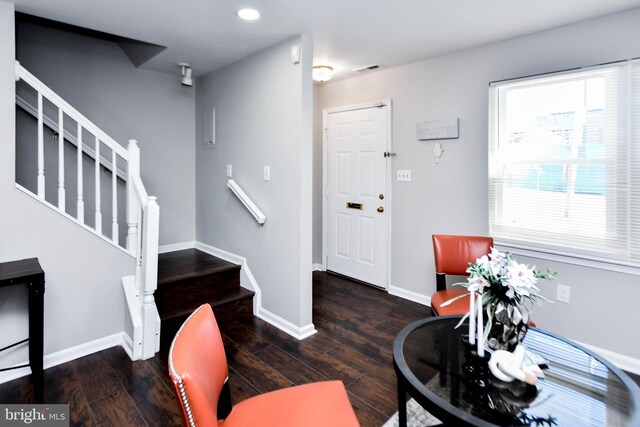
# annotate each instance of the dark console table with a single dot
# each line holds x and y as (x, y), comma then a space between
(29, 273)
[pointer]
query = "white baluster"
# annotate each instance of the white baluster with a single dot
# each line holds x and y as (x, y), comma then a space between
(114, 197)
(61, 195)
(133, 205)
(80, 203)
(97, 179)
(40, 147)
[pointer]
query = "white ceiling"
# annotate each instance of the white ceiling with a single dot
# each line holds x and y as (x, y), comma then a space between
(346, 33)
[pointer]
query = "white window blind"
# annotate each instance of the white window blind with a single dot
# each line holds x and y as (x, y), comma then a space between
(564, 162)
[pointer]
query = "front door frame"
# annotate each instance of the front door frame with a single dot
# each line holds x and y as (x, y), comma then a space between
(325, 159)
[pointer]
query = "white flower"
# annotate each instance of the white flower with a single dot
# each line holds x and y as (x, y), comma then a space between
(520, 279)
(477, 283)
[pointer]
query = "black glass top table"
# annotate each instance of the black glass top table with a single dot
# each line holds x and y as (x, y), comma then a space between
(580, 388)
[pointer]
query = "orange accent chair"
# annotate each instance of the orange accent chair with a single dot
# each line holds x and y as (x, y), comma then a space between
(453, 255)
(198, 369)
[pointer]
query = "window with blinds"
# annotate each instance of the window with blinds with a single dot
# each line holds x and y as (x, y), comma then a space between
(564, 162)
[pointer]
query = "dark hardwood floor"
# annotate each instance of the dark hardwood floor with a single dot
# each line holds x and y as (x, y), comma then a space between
(356, 326)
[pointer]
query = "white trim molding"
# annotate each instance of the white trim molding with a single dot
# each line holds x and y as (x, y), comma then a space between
(172, 247)
(66, 355)
(556, 256)
(318, 267)
(286, 326)
(410, 295)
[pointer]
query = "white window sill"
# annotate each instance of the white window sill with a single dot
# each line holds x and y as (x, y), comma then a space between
(544, 254)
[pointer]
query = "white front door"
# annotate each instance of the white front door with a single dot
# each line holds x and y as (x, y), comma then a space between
(357, 198)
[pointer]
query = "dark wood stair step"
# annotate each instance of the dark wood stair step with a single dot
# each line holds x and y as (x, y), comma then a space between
(237, 305)
(188, 264)
(240, 295)
(190, 278)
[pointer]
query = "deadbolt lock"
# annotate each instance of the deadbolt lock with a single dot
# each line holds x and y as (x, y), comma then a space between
(380, 209)
(381, 196)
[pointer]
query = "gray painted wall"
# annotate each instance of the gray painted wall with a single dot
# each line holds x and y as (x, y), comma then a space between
(451, 197)
(83, 299)
(263, 115)
(97, 78)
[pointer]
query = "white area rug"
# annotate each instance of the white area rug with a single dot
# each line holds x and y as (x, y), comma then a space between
(417, 416)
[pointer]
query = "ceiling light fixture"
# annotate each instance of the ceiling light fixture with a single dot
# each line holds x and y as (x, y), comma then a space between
(187, 80)
(322, 73)
(248, 14)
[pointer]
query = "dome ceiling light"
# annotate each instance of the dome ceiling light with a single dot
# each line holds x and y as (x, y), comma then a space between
(322, 73)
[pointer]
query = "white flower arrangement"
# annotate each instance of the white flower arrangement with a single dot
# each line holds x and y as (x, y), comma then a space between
(503, 288)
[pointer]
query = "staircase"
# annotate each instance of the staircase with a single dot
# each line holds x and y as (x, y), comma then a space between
(189, 278)
(91, 177)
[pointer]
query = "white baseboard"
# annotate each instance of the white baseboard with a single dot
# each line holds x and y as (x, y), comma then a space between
(626, 363)
(318, 267)
(172, 247)
(286, 326)
(410, 295)
(66, 355)
(127, 345)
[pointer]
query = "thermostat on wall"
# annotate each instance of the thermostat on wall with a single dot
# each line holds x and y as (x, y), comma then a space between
(438, 129)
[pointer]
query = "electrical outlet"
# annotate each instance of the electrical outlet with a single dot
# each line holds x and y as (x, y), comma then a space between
(404, 175)
(229, 171)
(266, 173)
(563, 294)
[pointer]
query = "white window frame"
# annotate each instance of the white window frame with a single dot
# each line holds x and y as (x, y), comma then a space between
(550, 251)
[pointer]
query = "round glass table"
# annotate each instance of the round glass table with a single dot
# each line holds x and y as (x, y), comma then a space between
(580, 388)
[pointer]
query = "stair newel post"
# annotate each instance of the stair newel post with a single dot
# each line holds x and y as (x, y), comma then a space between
(151, 232)
(134, 209)
(133, 206)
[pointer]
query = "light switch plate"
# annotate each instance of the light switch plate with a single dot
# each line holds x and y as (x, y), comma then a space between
(266, 173)
(404, 175)
(229, 171)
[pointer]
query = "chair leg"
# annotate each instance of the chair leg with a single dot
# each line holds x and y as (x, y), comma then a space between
(224, 401)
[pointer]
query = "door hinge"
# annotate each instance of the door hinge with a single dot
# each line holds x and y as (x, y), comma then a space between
(388, 154)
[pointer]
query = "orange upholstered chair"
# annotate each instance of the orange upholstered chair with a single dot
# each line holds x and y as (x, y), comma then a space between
(198, 368)
(453, 255)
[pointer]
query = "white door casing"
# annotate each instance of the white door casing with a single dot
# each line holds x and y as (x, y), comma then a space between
(356, 238)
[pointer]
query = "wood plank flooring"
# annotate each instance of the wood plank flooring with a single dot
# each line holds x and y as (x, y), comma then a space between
(356, 327)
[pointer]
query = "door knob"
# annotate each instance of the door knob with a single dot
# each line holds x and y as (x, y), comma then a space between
(380, 209)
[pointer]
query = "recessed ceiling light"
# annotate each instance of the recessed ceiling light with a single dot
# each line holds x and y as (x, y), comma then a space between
(249, 14)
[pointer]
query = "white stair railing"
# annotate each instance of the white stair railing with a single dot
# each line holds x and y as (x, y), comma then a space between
(247, 202)
(143, 212)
